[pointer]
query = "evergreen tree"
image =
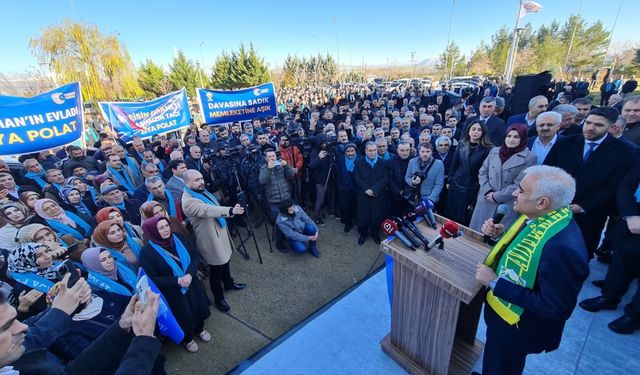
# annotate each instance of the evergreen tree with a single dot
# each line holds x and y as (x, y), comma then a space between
(183, 73)
(221, 72)
(153, 79)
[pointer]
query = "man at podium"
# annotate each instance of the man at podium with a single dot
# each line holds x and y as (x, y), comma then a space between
(533, 273)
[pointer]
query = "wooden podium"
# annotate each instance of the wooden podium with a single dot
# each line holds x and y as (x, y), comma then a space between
(436, 304)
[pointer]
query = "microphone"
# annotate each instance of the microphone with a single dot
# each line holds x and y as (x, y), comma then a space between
(405, 231)
(391, 228)
(498, 215)
(425, 208)
(450, 229)
(406, 220)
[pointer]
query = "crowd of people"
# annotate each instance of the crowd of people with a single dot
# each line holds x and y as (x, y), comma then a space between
(172, 205)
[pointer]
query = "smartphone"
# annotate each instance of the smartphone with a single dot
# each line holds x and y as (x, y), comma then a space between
(277, 163)
(141, 290)
(66, 267)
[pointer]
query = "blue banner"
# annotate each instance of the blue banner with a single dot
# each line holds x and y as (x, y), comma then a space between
(145, 119)
(167, 323)
(219, 106)
(42, 122)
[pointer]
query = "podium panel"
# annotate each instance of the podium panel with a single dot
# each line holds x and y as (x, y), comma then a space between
(436, 304)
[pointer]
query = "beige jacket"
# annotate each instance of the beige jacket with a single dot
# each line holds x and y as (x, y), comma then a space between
(214, 242)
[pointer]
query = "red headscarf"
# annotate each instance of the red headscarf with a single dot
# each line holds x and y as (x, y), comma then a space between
(103, 214)
(150, 229)
(506, 152)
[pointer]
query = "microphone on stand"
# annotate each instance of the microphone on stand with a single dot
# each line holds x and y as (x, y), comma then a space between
(498, 215)
(450, 229)
(406, 220)
(405, 231)
(391, 228)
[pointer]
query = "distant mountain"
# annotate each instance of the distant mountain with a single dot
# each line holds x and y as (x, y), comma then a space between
(429, 62)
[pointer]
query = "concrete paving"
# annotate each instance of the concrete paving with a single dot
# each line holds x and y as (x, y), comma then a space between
(283, 291)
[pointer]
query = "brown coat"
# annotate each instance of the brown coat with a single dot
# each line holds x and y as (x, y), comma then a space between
(213, 241)
(501, 179)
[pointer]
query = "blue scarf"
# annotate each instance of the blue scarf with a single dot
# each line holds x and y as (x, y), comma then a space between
(123, 181)
(133, 244)
(131, 233)
(63, 229)
(386, 155)
(349, 163)
(172, 204)
(207, 198)
(118, 256)
(92, 191)
(372, 162)
(37, 177)
(183, 254)
(32, 280)
(638, 194)
(83, 208)
(109, 285)
(160, 166)
(130, 164)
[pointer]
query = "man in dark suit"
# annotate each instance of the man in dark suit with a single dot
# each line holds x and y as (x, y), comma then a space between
(527, 308)
(371, 177)
(598, 162)
(631, 114)
(626, 260)
(495, 125)
(568, 125)
(537, 105)
(397, 168)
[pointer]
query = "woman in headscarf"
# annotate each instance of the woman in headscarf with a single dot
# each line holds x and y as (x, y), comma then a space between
(32, 266)
(88, 193)
(113, 213)
(43, 234)
(111, 280)
(61, 221)
(500, 175)
(112, 235)
(152, 208)
(16, 215)
(72, 201)
(171, 261)
(28, 198)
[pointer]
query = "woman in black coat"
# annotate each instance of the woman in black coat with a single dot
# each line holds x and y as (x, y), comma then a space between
(171, 261)
(463, 181)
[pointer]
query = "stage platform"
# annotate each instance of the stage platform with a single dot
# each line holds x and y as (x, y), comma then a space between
(344, 338)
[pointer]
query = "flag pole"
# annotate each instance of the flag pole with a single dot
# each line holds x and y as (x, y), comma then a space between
(508, 70)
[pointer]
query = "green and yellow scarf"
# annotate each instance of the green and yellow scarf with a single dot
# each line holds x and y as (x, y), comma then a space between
(517, 255)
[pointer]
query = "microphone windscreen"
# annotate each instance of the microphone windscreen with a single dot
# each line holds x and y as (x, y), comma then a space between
(389, 227)
(449, 229)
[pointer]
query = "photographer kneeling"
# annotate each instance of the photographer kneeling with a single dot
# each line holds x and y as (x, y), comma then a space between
(298, 228)
(425, 175)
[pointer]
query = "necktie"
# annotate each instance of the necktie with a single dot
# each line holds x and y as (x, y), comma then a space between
(587, 154)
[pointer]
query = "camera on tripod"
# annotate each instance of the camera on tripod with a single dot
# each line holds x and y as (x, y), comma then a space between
(329, 144)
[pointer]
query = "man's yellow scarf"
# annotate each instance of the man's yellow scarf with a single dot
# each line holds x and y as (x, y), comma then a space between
(517, 255)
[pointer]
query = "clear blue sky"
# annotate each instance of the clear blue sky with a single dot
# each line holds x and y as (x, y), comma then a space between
(376, 32)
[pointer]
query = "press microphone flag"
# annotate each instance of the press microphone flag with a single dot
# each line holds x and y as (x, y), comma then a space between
(450, 229)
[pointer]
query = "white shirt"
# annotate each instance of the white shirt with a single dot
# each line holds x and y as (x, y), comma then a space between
(541, 151)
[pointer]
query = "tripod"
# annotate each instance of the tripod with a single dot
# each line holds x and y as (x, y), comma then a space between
(242, 200)
(332, 164)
